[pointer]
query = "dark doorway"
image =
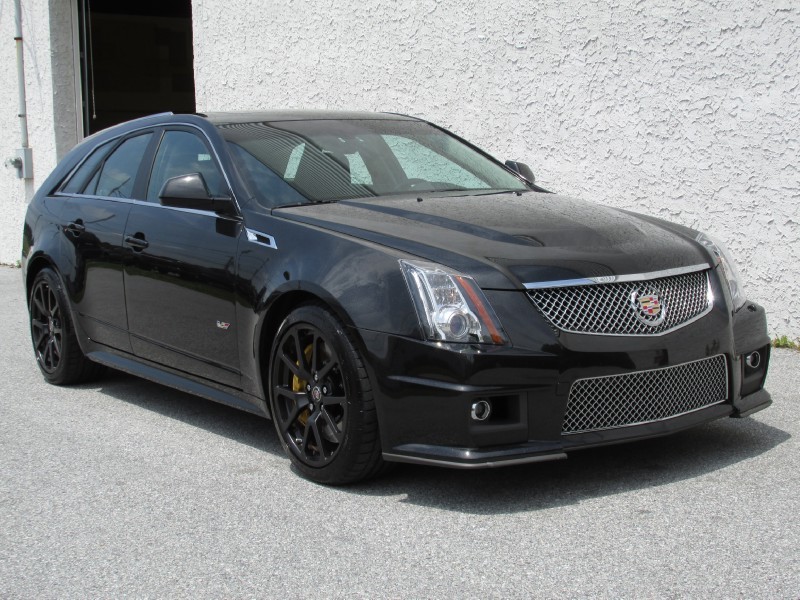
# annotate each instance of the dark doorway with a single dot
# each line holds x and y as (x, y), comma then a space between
(136, 59)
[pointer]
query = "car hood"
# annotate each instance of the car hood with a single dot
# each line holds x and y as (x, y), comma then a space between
(506, 240)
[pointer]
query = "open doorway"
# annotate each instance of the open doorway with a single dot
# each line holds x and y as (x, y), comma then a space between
(136, 59)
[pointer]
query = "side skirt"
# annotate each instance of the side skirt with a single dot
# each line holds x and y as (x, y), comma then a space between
(173, 379)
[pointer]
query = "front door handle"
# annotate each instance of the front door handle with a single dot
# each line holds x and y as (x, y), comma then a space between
(76, 227)
(137, 241)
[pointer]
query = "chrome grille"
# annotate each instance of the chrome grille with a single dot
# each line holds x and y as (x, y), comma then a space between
(610, 308)
(645, 396)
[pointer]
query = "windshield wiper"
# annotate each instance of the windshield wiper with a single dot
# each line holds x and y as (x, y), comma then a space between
(496, 192)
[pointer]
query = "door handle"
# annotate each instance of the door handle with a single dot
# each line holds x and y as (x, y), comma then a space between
(76, 227)
(137, 241)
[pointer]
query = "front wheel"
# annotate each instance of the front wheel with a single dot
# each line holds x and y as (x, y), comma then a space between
(321, 399)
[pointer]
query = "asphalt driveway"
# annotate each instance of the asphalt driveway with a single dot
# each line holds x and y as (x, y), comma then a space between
(123, 488)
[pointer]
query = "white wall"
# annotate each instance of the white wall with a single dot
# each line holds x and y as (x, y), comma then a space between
(12, 190)
(51, 109)
(683, 110)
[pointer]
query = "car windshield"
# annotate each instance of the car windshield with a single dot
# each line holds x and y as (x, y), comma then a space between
(327, 160)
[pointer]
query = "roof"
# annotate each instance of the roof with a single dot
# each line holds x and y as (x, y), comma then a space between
(299, 115)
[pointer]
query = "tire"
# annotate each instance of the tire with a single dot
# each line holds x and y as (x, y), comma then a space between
(55, 344)
(321, 400)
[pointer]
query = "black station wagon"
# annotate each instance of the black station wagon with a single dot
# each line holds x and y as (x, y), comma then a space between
(382, 290)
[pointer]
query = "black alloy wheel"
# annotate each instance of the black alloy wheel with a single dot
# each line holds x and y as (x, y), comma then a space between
(54, 342)
(321, 400)
(46, 326)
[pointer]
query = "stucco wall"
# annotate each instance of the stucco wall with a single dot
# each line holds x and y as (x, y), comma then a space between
(684, 110)
(12, 190)
(50, 89)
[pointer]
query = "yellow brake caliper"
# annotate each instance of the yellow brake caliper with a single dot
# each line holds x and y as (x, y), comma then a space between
(299, 385)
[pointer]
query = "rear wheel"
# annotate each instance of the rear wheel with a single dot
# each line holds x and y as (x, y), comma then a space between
(54, 341)
(321, 399)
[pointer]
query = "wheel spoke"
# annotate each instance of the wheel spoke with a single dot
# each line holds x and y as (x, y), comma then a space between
(298, 397)
(39, 330)
(38, 302)
(57, 348)
(333, 401)
(333, 427)
(298, 348)
(323, 372)
(293, 367)
(304, 441)
(315, 429)
(299, 403)
(48, 353)
(52, 304)
(315, 353)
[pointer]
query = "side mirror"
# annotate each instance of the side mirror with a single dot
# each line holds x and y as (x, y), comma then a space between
(522, 169)
(191, 191)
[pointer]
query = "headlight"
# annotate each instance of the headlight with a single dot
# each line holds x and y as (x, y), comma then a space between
(451, 307)
(724, 259)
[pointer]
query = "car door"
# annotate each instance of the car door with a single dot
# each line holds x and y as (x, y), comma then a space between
(97, 200)
(180, 269)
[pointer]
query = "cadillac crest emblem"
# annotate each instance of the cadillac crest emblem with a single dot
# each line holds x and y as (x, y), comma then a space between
(648, 307)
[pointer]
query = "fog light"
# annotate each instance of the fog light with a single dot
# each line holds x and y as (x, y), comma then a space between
(481, 410)
(753, 360)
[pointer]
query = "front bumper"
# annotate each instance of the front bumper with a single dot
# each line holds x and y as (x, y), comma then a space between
(425, 391)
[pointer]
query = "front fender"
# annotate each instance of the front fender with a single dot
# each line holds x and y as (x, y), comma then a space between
(359, 281)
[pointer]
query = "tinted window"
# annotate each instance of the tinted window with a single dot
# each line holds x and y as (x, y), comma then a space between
(182, 153)
(337, 159)
(421, 162)
(118, 174)
(78, 180)
(267, 187)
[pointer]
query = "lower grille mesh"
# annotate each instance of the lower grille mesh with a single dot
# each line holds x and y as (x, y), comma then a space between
(645, 396)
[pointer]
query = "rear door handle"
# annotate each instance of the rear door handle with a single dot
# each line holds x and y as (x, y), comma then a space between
(137, 241)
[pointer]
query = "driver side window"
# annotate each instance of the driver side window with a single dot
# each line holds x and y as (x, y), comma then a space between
(183, 153)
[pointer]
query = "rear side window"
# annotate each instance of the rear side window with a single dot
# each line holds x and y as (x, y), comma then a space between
(78, 180)
(118, 174)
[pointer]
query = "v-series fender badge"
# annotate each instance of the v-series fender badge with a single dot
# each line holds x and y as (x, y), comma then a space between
(223, 325)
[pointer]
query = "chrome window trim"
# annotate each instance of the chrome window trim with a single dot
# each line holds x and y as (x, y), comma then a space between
(194, 211)
(253, 236)
(165, 126)
(615, 278)
(114, 139)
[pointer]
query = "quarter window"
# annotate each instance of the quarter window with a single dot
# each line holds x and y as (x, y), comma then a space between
(89, 166)
(118, 174)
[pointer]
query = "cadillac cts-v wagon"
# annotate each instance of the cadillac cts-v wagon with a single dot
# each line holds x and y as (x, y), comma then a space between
(382, 290)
